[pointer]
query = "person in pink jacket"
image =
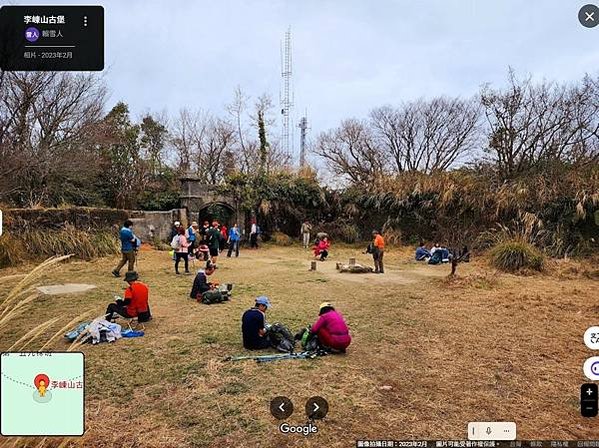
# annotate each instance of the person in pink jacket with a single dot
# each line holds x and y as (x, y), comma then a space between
(331, 328)
(181, 252)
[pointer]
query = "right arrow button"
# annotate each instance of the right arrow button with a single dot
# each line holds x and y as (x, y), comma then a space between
(317, 408)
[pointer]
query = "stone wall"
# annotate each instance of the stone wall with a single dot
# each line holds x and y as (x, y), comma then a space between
(146, 224)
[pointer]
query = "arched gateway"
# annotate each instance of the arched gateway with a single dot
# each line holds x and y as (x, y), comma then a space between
(204, 203)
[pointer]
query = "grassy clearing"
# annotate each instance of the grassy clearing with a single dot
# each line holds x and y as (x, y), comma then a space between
(428, 356)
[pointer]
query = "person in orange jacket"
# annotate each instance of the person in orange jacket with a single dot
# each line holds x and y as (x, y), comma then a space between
(378, 250)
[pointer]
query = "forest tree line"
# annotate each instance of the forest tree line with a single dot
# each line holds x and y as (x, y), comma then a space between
(61, 144)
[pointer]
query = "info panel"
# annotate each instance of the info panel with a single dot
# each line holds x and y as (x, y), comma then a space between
(56, 38)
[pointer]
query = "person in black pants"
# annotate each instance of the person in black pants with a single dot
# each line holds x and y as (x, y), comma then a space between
(181, 251)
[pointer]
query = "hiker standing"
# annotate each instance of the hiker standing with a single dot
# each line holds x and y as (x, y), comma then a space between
(174, 230)
(253, 325)
(135, 303)
(224, 236)
(192, 237)
(234, 238)
(305, 231)
(378, 250)
(128, 247)
(331, 329)
(181, 246)
(254, 235)
(213, 238)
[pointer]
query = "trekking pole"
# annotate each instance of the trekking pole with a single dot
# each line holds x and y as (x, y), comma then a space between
(302, 355)
(254, 357)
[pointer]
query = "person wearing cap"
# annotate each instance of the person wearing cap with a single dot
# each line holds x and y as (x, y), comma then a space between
(181, 251)
(331, 329)
(200, 282)
(191, 236)
(175, 230)
(378, 249)
(135, 303)
(253, 325)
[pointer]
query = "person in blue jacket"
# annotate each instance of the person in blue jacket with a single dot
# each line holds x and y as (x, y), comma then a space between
(422, 252)
(129, 243)
(191, 236)
(234, 237)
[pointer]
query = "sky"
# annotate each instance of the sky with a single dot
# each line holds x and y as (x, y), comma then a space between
(349, 56)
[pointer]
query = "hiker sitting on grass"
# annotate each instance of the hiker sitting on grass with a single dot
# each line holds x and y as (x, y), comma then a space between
(331, 329)
(422, 253)
(253, 325)
(200, 282)
(135, 303)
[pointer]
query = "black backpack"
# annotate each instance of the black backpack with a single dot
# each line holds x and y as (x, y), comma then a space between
(281, 338)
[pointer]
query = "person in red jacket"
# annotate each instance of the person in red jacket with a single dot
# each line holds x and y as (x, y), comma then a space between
(322, 248)
(135, 303)
(331, 329)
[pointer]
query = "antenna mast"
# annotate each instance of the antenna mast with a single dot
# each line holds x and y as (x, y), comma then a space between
(286, 100)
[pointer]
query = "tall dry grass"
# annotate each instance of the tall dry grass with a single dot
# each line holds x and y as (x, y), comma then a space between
(552, 209)
(40, 244)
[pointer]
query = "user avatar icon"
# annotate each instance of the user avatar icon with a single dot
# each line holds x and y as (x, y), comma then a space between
(32, 34)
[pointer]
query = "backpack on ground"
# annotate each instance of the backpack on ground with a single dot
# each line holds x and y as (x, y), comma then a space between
(281, 338)
(213, 296)
(308, 340)
(176, 242)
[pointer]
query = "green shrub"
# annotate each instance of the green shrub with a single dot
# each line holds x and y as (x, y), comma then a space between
(516, 256)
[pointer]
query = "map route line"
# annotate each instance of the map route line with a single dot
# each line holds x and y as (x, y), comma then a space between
(30, 385)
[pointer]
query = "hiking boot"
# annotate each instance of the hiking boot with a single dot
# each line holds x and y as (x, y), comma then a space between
(116, 273)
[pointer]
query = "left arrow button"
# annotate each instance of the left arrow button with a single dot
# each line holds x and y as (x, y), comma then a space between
(281, 407)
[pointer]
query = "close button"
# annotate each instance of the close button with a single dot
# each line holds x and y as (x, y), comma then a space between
(588, 16)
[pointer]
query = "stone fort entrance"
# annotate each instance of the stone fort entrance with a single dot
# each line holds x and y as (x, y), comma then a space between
(204, 203)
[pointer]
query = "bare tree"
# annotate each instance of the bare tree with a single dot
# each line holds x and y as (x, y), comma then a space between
(535, 123)
(427, 135)
(47, 121)
(237, 110)
(204, 144)
(350, 151)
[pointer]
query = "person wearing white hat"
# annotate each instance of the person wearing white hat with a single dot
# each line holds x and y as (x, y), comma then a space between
(174, 230)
